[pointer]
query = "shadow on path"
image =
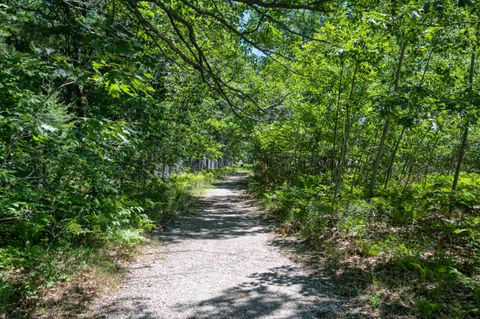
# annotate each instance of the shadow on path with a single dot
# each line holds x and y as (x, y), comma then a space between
(279, 292)
(228, 214)
(220, 263)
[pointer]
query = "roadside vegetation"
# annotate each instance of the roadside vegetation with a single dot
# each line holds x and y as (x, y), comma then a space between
(376, 160)
(414, 256)
(63, 277)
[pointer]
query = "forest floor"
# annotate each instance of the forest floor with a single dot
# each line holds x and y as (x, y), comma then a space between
(222, 262)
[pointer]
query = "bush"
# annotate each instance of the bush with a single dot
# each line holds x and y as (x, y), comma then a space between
(54, 245)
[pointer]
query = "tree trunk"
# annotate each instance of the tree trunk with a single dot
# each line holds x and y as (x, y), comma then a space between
(460, 157)
(463, 144)
(346, 135)
(430, 158)
(394, 154)
(386, 126)
(335, 129)
(378, 157)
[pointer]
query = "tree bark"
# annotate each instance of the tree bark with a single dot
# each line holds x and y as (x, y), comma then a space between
(335, 129)
(346, 134)
(394, 154)
(463, 143)
(461, 155)
(386, 126)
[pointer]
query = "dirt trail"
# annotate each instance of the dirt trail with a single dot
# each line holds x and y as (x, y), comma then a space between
(219, 263)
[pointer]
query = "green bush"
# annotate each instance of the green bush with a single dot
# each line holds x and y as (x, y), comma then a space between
(52, 246)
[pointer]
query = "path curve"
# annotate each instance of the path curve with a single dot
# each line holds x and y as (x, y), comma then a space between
(219, 263)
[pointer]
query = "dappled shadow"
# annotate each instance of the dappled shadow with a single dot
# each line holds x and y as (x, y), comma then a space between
(230, 185)
(288, 276)
(126, 308)
(282, 292)
(224, 214)
(350, 281)
(395, 270)
(223, 247)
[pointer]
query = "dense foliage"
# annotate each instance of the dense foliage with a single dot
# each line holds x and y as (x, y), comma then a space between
(90, 122)
(376, 151)
(361, 118)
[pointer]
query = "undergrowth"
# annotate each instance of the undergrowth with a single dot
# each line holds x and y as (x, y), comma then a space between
(31, 270)
(404, 252)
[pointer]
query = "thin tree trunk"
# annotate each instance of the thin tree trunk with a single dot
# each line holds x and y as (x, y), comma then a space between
(335, 129)
(429, 161)
(461, 155)
(346, 135)
(387, 124)
(394, 154)
(404, 129)
(463, 144)
(378, 157)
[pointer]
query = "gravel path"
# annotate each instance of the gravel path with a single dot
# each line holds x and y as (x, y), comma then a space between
(219, 263)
